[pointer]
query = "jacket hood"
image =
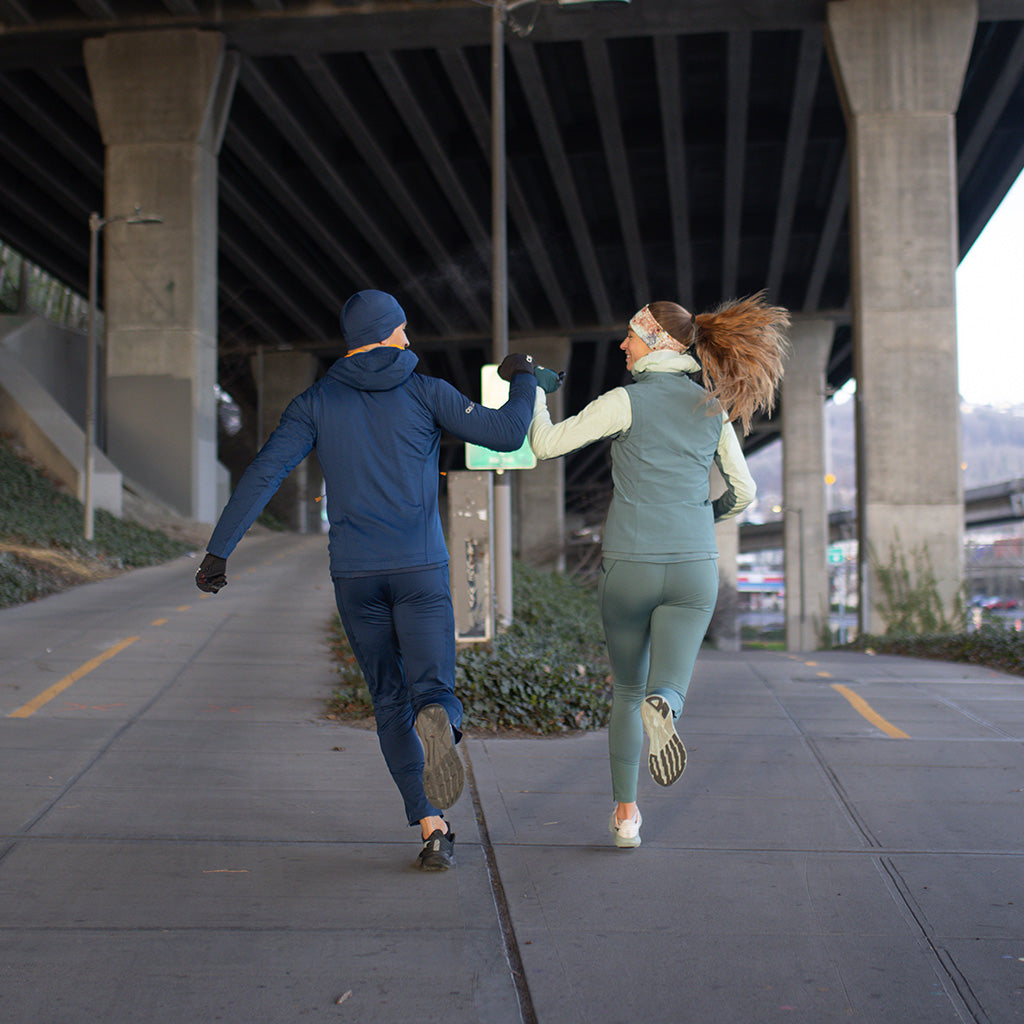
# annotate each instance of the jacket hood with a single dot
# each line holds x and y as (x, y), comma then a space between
(379, 369)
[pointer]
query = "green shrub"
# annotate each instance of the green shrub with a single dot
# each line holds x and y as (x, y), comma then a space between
(756, 638)
(351, 699)
(21, 581)
(995, 646)
(909, 600)
(132, 545)
(548, 673)
(271, 522)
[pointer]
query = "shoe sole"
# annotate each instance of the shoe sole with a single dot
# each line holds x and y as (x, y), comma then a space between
(667, 756)
(436, 863)
(443, 775)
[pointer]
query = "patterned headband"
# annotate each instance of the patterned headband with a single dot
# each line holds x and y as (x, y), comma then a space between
(651, 333)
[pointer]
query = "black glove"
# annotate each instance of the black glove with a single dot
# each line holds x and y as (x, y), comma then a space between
(211, 575)
(549, 380)
(513, 363)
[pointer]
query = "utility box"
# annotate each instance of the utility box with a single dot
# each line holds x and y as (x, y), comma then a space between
(471, 544)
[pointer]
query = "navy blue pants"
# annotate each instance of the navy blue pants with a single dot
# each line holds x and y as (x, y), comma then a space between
(402, 631)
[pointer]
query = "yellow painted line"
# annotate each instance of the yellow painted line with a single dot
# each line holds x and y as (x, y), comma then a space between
(861, 705)
(83, 670)
(823, 675)
(183, 607)
(159, 622)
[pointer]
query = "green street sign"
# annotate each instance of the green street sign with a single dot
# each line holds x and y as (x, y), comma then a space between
(495, 395)
(835, 555)
(484, 458)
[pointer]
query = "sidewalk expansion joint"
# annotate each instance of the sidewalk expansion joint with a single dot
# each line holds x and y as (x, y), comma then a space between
(958, 989)
(832, 780)
(508, 936)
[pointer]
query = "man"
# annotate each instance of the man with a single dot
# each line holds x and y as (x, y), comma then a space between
(376, 426)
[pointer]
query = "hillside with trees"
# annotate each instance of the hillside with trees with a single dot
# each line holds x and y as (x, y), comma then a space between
(992, 452)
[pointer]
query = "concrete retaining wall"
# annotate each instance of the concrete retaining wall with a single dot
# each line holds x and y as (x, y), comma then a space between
(34, 416)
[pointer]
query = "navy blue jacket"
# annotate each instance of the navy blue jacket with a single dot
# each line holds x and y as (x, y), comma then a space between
(376, 426)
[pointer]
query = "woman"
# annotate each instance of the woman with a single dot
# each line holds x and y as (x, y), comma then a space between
(659, 572)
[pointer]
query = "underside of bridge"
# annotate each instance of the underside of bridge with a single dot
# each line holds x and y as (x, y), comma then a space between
(656, 149)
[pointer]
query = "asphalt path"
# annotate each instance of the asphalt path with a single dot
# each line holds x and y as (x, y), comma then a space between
(185, 838)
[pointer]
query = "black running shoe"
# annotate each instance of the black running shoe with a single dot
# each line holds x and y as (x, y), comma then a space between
(667, 756)
(443, 775)
(438, 853)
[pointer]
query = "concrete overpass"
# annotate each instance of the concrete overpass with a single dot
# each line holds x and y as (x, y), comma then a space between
(993, 505)
(843, 155)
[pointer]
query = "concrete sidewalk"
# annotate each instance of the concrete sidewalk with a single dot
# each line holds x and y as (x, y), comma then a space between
(184, 838)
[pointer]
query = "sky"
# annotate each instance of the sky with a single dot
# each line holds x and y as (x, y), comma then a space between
(990, 324)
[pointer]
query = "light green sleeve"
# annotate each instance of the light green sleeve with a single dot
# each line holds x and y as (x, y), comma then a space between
(740, 489)
(605, 416)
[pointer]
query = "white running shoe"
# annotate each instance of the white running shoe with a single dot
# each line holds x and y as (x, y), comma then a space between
(627, 833)
(667, 756)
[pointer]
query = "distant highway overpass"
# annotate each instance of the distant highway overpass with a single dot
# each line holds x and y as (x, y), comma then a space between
(983, 506)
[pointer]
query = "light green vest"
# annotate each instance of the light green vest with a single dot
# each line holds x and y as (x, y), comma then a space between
(660, 510)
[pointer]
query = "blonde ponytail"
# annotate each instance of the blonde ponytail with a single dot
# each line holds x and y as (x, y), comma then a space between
(741, 347)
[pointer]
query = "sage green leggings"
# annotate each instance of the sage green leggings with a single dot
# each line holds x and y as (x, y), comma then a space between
(655, 616)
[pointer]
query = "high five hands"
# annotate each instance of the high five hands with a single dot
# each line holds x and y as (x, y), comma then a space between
(518, 362)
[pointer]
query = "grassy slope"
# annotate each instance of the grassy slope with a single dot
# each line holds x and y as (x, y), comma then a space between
(42, 550)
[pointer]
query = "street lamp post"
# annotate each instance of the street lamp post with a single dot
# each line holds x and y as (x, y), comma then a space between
(499, 306)
(96, 225)
(499, 258)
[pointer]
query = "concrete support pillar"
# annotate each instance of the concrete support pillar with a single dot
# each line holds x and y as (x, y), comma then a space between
(900, 66)
(279, 377)
(541, 491)
(161, 99)
(805, 513)
(725, 624)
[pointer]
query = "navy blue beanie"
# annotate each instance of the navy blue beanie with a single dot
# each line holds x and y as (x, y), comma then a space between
(369, 317)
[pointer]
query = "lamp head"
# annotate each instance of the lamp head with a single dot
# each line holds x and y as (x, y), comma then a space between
(138, 217)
